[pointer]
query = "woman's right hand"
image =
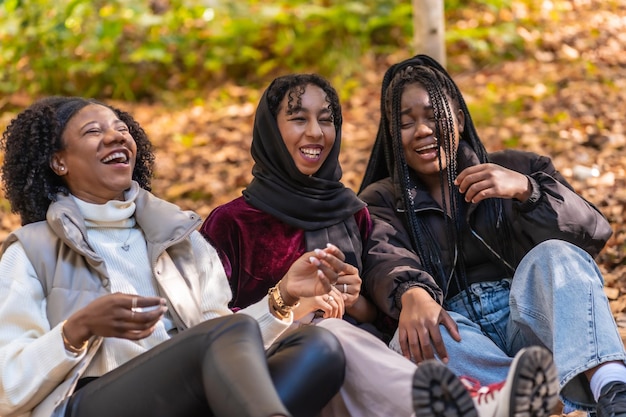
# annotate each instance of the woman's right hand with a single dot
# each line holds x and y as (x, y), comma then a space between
(313, 273)
(124, 316)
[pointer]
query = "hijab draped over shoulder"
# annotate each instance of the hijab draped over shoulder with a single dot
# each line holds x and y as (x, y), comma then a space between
(319, 204)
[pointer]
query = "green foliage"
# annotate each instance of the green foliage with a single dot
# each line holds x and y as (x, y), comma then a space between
(492, 31)
(488, 44)
(132, 50)
(139, 49)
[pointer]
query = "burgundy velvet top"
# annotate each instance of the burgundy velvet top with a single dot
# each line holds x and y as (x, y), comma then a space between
(257, 248)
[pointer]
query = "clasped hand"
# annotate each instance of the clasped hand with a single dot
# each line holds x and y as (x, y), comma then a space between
(343, 294)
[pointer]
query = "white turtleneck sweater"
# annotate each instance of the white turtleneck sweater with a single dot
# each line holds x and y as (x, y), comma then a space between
(111, 226)
(31, 351)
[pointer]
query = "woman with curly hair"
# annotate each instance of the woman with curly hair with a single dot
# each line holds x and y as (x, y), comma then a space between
(479, 254)
(114, 305)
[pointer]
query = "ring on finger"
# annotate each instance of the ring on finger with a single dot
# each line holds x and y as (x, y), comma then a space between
(345, 288)
(133, 307)
(329, 299)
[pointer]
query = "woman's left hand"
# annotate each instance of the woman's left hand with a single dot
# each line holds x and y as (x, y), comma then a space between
(483, 181)
(349, 285)
(335, 306)
(331, 305)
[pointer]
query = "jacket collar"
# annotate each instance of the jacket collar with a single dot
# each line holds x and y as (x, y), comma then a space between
(65, 218)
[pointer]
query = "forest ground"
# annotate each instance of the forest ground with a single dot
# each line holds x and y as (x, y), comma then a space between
(565, 98)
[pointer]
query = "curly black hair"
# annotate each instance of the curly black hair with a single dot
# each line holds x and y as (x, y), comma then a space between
(35, 135)
(294, 85)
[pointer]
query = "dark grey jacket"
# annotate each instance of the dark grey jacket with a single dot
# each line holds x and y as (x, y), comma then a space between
(554, 211)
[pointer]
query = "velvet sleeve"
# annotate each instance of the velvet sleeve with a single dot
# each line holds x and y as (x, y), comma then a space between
(364, 221)
(223, 234)
(255, 248)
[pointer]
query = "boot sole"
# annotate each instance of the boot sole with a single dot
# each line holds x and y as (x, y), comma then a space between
(534, 384)
(437, 392)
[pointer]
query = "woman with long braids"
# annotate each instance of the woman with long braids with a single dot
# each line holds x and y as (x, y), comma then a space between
(478, 255)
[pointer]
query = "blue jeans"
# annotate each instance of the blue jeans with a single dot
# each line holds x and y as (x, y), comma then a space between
(556, 299)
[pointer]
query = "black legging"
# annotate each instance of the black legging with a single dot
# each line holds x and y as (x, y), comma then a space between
(219, 368)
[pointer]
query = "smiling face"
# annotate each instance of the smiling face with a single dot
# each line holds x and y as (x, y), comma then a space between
(307, 128)
(418, 124)
(99, 155)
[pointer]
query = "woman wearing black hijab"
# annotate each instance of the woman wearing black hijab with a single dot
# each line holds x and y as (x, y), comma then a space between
(295, 201)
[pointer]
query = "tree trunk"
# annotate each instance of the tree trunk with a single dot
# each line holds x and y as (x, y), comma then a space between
(429, 29)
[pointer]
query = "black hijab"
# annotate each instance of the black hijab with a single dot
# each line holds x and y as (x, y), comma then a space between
(319, 204)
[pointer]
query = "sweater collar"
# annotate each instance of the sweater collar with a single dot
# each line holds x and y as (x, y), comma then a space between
(114, 213)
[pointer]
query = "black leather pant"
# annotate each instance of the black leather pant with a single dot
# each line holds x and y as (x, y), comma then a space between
(219, 368)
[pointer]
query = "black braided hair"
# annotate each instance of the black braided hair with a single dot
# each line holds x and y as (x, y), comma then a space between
(34, 136)
(387, 160)
(379, 163)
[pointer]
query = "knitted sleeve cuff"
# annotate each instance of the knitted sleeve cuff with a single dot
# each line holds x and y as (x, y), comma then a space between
(535, 195)
(405, 286)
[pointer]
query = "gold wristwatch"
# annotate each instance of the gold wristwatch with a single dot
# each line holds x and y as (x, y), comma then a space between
(277, 304)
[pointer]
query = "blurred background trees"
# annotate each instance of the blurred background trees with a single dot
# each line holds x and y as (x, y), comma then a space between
(429, 29)
(170, 49)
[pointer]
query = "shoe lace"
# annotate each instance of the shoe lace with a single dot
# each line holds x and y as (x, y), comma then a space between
(482, 394)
